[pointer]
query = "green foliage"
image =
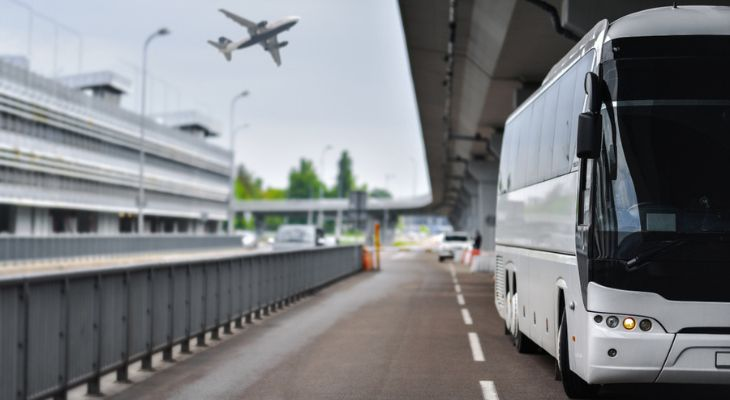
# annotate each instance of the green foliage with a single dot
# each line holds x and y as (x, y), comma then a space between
(345, 178)
(304, 182)
(244, 223)
(247, 186)
(274, 194)
(272, 222)
(378, 193)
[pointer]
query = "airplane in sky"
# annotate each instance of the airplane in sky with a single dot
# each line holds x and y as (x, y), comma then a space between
(263, 33)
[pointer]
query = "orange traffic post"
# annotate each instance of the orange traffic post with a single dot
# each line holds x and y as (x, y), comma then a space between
(376, 241)
(367, 259)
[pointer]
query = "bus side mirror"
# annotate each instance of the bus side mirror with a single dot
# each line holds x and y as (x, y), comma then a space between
(589, 135)
(592, 86)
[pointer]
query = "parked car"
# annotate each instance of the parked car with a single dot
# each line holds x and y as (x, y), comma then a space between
(295, 237)
(452, 243)
(249, 239)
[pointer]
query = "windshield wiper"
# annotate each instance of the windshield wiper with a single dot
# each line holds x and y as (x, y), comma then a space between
(643, 257)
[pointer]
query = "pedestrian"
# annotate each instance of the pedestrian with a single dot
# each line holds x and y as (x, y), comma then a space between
(477, 241)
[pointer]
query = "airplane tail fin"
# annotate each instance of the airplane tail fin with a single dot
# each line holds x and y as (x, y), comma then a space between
(221, 45)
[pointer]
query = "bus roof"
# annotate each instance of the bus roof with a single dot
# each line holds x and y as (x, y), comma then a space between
(673, 21)
(662, 21)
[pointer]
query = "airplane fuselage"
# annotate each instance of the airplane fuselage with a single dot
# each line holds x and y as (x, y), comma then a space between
(265, 33)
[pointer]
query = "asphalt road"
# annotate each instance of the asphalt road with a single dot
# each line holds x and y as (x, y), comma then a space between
(397, 334)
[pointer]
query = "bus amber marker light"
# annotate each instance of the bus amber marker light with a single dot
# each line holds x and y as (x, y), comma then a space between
(629, 323)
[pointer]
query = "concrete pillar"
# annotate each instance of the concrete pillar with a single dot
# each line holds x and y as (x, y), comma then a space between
(108, 224)
(23, 221)
(338, 224)
(485, 207)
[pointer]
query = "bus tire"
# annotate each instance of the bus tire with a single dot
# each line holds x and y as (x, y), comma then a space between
(524, 344)
(575, 387)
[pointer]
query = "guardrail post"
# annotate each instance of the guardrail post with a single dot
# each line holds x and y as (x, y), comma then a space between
(204, 310)
(229, 318)
(93, 386)
(185, 344)
(63, 338)
(123, 370)
(257, 283)
(241, 304)
(215, 333)
(167, 352)
(23, 345)
(248, 266)
(147, 358)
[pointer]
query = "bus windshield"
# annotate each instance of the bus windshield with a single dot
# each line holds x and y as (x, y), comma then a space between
(673, 146)
(662, 201)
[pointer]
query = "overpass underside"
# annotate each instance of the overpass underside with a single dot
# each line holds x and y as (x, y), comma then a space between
(473, 62)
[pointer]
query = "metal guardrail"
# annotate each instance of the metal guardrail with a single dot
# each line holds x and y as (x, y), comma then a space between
(26, 248)
(62, 330)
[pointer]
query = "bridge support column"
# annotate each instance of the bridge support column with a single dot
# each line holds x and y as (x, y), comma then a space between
(481, 207)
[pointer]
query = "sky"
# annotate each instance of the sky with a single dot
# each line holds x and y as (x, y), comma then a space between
(344, 82)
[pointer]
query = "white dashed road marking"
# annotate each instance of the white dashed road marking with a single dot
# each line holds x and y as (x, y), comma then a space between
(467, 317)
(476, 347)
(457, 287)
(460, 299)
(489, 391)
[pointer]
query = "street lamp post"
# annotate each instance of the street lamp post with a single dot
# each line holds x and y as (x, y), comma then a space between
(320, 219)
(141, 196)
(231, 196)
(415, 175)
(388, 177)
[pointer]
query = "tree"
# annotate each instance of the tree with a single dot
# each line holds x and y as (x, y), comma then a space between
(303, 182)
(247, 186)
(378, 193)
(345, 179)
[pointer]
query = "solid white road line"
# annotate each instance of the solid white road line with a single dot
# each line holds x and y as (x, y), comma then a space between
(460, 299)
(457, 288)
(476, 347)
(489, 391)
(467, 317)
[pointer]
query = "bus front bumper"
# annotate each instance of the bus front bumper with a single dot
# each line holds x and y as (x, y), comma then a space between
(656, 357)
(698, 358)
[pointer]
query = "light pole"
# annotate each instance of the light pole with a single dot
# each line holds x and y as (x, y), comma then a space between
(415, 175)
(388, 177)
(320, 219)
(140, 198)
(231, 196)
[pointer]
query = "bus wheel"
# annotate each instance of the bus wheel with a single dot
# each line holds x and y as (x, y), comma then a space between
(523, 344)
(575, 387)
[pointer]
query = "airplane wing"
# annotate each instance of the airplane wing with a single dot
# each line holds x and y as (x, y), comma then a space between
(272, 46)
(243, 21)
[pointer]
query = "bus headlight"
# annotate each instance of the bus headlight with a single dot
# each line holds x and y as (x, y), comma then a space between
(629, 323)
(645, 325)
(612, 321)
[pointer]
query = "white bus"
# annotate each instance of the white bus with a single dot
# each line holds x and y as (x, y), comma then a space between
(613, 211)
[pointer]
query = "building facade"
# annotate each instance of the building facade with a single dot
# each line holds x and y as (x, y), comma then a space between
(69, 161)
